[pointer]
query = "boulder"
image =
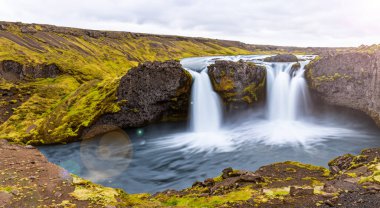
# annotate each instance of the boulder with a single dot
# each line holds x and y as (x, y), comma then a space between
(238, 82)
(151, 92)
(282, 58)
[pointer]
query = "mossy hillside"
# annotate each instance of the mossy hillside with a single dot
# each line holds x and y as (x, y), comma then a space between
(58, 108)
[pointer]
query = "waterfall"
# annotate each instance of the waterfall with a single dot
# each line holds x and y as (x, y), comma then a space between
(205, 105)
(288, 97)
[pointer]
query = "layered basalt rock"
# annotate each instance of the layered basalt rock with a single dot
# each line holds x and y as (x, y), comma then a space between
(238, 83)
(282, 58)
(349, 80)
(151, 92)
(14, 71)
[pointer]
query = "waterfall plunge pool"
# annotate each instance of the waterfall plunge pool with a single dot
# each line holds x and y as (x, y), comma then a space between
(174, 155)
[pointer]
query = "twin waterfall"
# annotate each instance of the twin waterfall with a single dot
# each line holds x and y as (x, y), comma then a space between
(288, 97)
(287, 93)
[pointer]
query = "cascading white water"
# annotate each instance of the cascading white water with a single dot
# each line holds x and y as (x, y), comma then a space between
(205, 104)
(288, 97)
(287, 124)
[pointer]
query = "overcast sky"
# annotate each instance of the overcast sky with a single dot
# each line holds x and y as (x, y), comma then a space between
(275, 22)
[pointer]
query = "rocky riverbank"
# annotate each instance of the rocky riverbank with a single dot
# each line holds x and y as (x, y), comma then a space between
(27, 179)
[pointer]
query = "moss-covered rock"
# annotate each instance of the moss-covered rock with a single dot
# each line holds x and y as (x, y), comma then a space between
(238, 82)
(151, 92)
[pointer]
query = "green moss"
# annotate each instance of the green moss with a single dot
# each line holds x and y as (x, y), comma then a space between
(374, 177)
(235, 196)
(7, 189)
(85, 190)
(313, 181)
(276, 192)
(325, 171)
(352, 175)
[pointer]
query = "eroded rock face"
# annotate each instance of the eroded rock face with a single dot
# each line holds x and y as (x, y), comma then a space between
(14, 71)
(238, 82)
(151, 92)
(349, 80)
(282, 58)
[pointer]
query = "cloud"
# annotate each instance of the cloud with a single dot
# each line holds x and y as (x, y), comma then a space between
(276, 22)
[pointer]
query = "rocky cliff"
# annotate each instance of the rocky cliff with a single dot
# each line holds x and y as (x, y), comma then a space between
(238, 83)
(350, 79)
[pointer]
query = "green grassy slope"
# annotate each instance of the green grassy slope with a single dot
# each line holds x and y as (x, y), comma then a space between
(56, 109)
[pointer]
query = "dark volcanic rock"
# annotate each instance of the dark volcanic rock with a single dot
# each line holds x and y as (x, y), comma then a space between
(349, 80)
(151, 92)
(238, 82)
(282, 58)
(14, 71)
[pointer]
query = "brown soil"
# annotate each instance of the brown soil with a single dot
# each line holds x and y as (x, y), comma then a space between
(27, 179)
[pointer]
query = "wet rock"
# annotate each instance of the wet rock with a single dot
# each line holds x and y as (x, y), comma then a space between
(295, 67)
(282, 58)
(151, 92)
(240, 84)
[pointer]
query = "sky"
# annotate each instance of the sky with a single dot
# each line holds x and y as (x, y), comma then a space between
(273, 22)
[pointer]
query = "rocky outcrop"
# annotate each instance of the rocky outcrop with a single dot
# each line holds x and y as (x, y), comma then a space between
(151, 92)
(282, 58)
(348, 79)
(238, 82)
(14, 71)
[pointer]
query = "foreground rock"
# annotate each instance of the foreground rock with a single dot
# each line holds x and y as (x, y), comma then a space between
(151, 92)
(27, 179)
(348, 79)
(238, 82)
(289, 184)
(282, 58)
